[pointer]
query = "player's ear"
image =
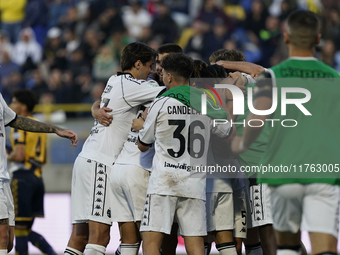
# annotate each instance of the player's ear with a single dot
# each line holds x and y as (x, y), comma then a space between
(286, 37)
(318, 39)
(170, 77)
(138, 64)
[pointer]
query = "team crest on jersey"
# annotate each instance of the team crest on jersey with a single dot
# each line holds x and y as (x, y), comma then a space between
(151, 83)
(107, 89)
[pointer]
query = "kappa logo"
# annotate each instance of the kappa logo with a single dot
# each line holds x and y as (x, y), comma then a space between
(101, 172)
(100, 186)
(99, 200)
(98, 207)
(100, 165)
(100, 179)
(99, 193)
(97, 214)
(108, 89)
(243, 230)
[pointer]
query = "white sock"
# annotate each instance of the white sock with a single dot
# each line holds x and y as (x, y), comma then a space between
(254, 249)
(288, 252)
(72, 251)
(226, 248)
(129, 249)
(94, 249)
(3, 252)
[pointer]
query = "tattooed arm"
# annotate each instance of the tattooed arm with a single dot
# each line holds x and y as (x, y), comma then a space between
(30, 125)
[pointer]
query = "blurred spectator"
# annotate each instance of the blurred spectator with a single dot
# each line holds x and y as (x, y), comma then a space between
(10, 83)
(36, 83)
(90, 45)
(71, 40)
(36, 18)
(327, 53)
(287, 6)
(163, 25)
(331, 25)
(61, 93)
(210, 12)
(195, 46)
(5, 44)
(82, 87)
(214, 40)
(77, 64)
(69, 19)
(110, 21)
(255, 20)
(135, 18)
(117, 41)
(12, 16)
(7, 65)
(57, 9)
(105, 65)
(270, 37)
(54, 51)
(27, 52)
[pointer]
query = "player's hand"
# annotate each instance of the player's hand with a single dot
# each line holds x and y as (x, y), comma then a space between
(137, 124)
(145, 112)
(237, 145)
(69, 134)
(102, 116)
(240, 80)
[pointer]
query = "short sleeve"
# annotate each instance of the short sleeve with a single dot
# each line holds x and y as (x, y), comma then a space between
(8, 114)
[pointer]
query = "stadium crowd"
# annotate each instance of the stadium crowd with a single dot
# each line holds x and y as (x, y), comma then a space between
(65, 50)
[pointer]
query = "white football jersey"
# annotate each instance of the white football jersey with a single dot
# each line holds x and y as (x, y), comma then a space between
(131, 155)
(169, 125)
(6, 116)
(123, 94)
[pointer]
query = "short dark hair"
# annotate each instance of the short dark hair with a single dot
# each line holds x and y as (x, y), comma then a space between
(26, 97)
(179, 65)
(134, 52)
(169, 48)
(226, 55)
(303, 28)
(215, 73)
(199, 65)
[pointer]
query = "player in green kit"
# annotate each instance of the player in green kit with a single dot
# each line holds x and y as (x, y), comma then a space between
(304, 196)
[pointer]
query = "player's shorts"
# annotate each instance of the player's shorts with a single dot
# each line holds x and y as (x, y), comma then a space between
(91, 193)
(310, 207)
(129, 184)
(6, 202)
(220, 211)
(28, 193)
(160, 211)
(241, 207)
(260, 205)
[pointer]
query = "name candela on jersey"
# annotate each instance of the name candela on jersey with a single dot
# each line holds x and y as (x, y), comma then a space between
(181, 109)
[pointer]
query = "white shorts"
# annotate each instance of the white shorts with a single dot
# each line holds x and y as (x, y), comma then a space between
(160, 211)
(220, 211)
(311, 207)
(6, 202)
(129, 184)
(241, 207)
(260, 206)
(91, 193)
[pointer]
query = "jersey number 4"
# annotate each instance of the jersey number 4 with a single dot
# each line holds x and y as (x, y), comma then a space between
(191, 137)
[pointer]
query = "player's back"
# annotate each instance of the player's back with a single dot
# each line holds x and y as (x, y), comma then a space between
(181, 144)
(123, 94)
(315, 138)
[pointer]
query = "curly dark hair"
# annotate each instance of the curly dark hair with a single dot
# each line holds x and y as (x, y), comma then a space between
(179, 65)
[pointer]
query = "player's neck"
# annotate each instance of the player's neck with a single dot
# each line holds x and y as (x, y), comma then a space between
(297, 52)
(176, 84)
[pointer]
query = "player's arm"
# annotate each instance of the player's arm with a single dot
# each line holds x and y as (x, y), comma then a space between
(146, 135)
(101, 114)
(245, 67)
(30, 125)
(262, 101)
